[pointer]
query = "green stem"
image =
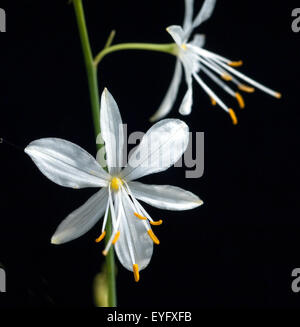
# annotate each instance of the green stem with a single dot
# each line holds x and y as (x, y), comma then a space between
(167, 48)
(91, 70)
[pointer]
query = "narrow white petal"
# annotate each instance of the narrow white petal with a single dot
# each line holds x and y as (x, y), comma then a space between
(176, 33)
(165, 196)
(171, 94)
(160, 148)
(66, 163)
(134, 245)
(198, 40)
(187, 102)
(188, 14)
(81, 220)
(204, 13)
(112, 132)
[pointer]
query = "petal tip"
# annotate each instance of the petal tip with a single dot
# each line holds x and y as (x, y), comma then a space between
(200, 202)
(153, 119)
(55, 240)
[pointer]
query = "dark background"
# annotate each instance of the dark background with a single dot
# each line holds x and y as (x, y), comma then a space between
(239, 249)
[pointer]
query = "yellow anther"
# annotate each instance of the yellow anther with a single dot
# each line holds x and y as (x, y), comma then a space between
(156, 223)
(246, 88)
(104, 252)
(240, 100)
(235, 63)
(116, 183)
(140, 216)
(101, 237)
(153, 237)
(136, 273)
(116, 237)
(183, 45)
(213, 101)
(233, 116)
(226, 77)
(278, 95)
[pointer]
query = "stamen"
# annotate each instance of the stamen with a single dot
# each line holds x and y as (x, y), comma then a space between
(116, 237)
(213, 101)
(153, 237)
(233, 116)
(156, 223)
(246, 88)
(139, 216)
(235, 63)
(104, 252)
(248, 79)
(226, 77)
(136, 273)
(240, 100)
(101, 237)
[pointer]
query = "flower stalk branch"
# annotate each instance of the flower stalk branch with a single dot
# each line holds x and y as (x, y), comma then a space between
(169, 48)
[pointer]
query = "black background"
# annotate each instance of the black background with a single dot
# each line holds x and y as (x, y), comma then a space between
(239, 249)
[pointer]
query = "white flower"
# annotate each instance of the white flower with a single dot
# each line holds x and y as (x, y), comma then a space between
(195, 59)
(69, 165)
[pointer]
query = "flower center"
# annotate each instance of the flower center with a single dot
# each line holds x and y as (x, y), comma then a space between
(183, 46)
(116, 183)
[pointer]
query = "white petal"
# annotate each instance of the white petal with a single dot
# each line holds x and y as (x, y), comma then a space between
(134, 245)
(160, 148)
(188, 14)
(165, 196)
(66, 163)
(198, 40)
(81, 220)
(171, 94)
(112, 132)
(187, 102)
(205, 12)
(176, 33)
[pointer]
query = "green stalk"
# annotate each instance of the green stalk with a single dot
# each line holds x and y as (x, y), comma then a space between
(170, 48)
(91, 70)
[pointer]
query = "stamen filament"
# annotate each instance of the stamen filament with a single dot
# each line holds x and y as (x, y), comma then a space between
(210, 92)
(153, 237)
(210, 64)
(101, 237)
(136, 273)
(249, 80)
(218, 81)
